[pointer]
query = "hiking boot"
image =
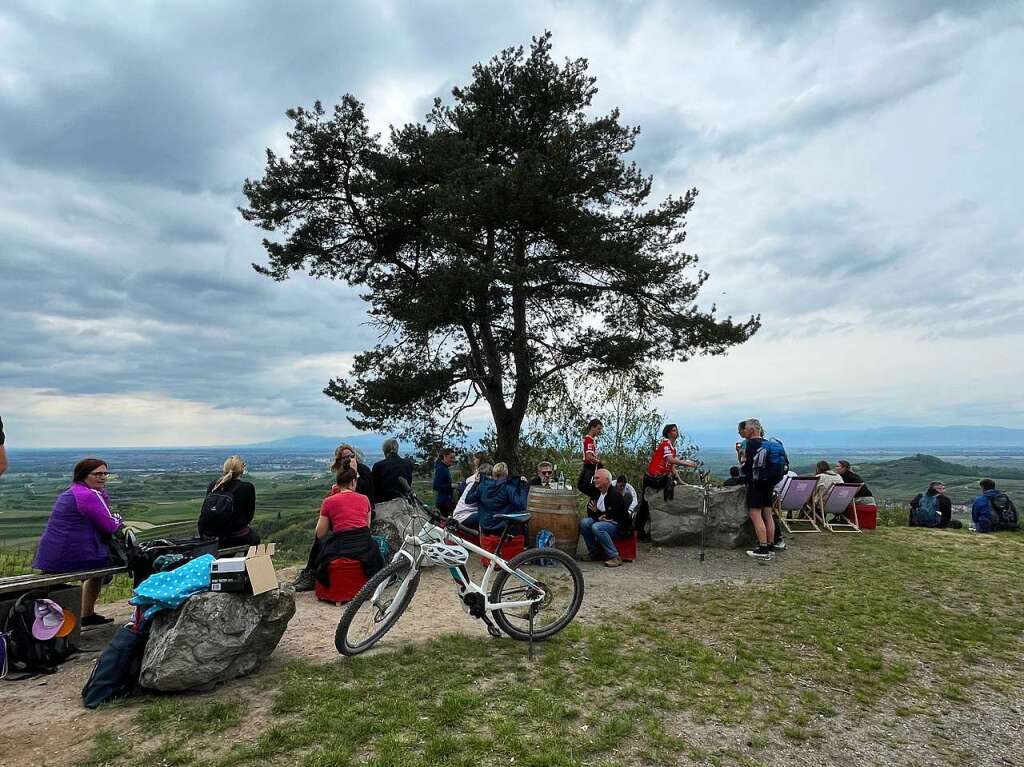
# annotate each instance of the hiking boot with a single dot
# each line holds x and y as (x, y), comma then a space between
(306, 580)
(761, 553)
(613, 562)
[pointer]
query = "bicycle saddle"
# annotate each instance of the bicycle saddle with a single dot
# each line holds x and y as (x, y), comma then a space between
(523, 516)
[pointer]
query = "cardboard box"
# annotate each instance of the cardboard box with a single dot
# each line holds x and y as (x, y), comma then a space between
(254, 572)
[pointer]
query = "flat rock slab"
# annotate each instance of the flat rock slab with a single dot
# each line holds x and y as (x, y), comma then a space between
(214, 637)
(678, 522)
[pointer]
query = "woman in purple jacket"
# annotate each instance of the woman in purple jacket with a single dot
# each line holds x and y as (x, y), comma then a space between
(77, 533)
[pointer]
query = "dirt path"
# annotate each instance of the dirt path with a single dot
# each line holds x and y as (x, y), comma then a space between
(42, 721)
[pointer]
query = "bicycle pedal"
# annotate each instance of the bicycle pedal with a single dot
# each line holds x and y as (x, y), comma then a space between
(493, 630)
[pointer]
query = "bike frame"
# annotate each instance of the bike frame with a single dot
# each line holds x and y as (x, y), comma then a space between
(430, 532)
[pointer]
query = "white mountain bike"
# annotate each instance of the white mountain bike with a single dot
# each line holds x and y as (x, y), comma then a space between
(531, 597)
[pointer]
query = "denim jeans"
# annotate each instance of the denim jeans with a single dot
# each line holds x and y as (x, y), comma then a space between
(602, 533)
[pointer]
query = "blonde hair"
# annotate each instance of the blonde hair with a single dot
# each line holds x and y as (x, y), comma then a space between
(499, 470)
(233, 468)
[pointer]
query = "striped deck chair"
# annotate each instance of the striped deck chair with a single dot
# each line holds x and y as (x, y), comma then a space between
(794, 505)
(838, 511)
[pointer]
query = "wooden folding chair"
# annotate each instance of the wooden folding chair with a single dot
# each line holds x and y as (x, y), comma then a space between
(838, 504)
(796, 500)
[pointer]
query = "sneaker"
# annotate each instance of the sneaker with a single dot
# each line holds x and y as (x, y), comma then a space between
(613, 562)
(306, 581)
(589, 557)
(779, 545)
(96, 620)
(761, 553)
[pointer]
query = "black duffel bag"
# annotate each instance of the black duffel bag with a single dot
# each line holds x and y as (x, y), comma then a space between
(147, 552)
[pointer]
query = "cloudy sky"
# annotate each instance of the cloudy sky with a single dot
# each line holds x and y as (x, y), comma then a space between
(859, 167)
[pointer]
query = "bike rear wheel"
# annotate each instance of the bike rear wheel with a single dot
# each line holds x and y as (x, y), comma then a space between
(373, 611)
(560, 582)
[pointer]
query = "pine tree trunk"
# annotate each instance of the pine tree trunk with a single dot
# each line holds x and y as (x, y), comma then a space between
(508, 430)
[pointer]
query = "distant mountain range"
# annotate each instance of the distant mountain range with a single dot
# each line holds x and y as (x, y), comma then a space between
(915, 438)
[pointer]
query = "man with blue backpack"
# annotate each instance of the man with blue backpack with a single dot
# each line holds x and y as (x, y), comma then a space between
(932, 508)
(993, 510)
(778, 542)
(764, 463)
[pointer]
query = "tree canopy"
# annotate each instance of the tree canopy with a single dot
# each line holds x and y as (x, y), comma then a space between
(502, 245)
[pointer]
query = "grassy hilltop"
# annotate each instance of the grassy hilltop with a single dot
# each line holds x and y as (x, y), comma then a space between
(903, 478)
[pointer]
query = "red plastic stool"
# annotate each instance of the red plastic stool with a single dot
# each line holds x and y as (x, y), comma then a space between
(515, 544)
(626, 547)
(347, 577)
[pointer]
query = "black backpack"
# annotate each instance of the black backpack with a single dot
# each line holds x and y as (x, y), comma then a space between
(116, 673)
(1004, 513)
(25, 653)
(218, 515)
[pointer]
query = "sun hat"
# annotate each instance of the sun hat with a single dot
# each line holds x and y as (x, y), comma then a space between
(49, 619)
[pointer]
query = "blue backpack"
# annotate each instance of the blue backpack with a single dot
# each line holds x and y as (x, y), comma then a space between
(927, 512)
(770, 463)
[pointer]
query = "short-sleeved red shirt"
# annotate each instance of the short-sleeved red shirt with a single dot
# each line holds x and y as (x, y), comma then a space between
(659, 459)
(590, 446)
(346, 511)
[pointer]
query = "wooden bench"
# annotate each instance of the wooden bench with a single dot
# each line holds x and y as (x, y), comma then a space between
(15, 583)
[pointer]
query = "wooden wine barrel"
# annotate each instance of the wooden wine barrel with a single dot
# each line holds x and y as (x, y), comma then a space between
(555, 510)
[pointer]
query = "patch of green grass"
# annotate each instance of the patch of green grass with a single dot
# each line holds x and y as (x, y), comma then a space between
(188, 716)
(106, 749)
(876, 626)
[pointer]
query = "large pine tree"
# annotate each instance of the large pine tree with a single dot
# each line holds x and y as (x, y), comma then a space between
(502, 245)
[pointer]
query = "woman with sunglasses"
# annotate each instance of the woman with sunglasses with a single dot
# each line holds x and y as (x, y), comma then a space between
(77, 533)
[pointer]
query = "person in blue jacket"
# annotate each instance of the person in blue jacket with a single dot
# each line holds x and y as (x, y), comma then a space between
(443, 495)
(992, 510)
(497, 494)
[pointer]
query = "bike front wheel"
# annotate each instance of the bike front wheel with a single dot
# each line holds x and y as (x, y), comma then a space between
(559, 583)
(376, 608)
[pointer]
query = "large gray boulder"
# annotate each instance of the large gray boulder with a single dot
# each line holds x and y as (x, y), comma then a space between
(390, 519)
(678, 522)
(214, 637)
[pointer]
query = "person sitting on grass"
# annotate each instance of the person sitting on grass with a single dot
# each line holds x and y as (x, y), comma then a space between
(607, 518)
(229, 507)
(77, 533)
(932, 508)
(496, 494)
(993, 510)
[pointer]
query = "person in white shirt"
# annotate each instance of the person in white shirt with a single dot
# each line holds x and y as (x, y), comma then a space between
(628, 493)
(464, 510)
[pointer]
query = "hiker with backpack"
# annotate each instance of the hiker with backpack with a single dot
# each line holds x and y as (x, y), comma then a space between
(229, 507)
(764, 463)
(78, 532)
(779, 542)
(993, 510)
(932, 508)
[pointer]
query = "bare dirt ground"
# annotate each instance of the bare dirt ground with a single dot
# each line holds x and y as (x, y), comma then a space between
(43, 722)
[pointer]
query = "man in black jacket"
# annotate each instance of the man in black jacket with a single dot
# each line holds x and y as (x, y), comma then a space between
(388, 471)
(607, 518)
